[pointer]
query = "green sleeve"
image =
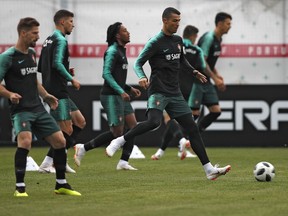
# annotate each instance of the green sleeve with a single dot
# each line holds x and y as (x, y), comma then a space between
(147, 52)
(5, 63)
(58, 56)
(207, 42)
(109, 63)
(202, 59)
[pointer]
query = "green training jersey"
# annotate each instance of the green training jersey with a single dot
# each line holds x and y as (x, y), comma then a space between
(19, 71)
(115, 70)
(211, 47)
(166, 59)
(54, 65)
(195, 57)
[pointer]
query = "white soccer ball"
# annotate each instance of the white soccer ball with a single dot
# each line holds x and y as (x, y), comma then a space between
(264, 171)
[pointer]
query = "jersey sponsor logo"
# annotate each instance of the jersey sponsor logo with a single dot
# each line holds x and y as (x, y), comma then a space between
(28, 70)
(21, 61)
(217, 53)
(173, 56)
(46, 42)
(189, 50)
(125, 66)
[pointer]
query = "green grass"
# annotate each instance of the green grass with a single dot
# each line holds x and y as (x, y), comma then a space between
(165, 187)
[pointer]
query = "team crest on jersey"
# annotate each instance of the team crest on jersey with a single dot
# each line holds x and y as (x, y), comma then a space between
(23, 71)
(168, 57)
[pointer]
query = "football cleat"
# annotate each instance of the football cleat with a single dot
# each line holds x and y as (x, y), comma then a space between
(158, 154)
(46, 168)
(218, 171)
(125, 166)
(65, 189)
(69, 169)
(79, 153)
(113, 147)
(20, 192)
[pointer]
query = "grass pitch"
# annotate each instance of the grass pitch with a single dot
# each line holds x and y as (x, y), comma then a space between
(165, 187)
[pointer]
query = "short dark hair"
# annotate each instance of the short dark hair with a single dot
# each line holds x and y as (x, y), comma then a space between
(190, 30)
(168, 11)
(62, 14)
(26, 24)
(221, 16)
(112, 31)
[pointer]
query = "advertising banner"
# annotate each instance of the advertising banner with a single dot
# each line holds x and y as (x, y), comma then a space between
(252, 115)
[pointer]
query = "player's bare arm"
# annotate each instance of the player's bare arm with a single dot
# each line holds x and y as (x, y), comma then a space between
(12, 96)
(51, 100)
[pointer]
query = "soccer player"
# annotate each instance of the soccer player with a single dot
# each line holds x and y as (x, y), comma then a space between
(195, 57)
(206, 94)
(165, 55)
(54, 65)
(115, 97)
(18, 68)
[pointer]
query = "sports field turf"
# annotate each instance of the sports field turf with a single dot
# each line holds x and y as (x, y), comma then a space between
(165, 187)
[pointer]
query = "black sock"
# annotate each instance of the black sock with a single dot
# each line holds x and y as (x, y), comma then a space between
(127, 149)
(188, 124)
(20, 160)
(60, 159)
(167, 137)
(70, 141)
(175, 129)
(102, 139)
(207, 120)
(76, 131)
(195, 117)
(50, 152)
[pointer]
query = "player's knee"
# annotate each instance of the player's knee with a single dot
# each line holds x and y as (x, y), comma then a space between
(82, 124)
(25, 143)
(58, 141)
(117, 133)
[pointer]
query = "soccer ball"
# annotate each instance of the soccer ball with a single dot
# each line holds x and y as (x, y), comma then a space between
(264, 171)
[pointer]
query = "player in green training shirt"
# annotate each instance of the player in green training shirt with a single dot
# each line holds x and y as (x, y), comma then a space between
(165, 55)
(194, 55)
(54, 66)
(18, 68)
(115, 97)
(210, 43)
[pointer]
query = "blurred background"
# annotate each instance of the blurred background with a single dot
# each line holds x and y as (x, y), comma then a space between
(253, 61)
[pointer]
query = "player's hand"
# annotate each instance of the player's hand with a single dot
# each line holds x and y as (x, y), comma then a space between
(135, 92)
(51, 100)
(144, 83)
(219, 82)
(75, 83)
(201, 77)
(125, 96)
(15, 98)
